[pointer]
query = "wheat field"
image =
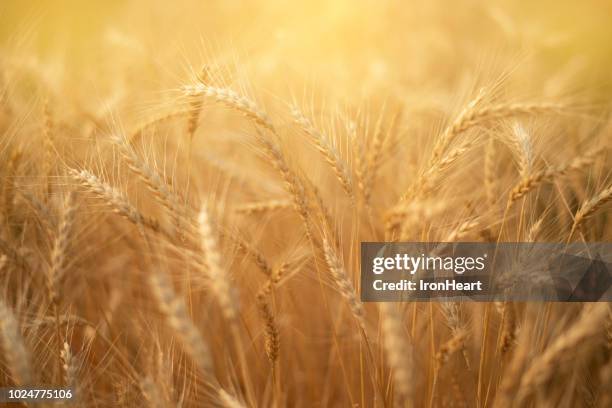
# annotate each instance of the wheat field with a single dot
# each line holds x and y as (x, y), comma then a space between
(184, 188)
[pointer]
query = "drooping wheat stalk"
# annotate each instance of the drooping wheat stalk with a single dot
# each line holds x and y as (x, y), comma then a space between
(328, 151)
(158, 187)
(591, 206)
(293, 184)
(233, 100)
(471, 117)
(428, 181)
(115, 199)
(535, 179)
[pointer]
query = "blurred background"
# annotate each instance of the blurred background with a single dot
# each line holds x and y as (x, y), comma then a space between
(343, 41)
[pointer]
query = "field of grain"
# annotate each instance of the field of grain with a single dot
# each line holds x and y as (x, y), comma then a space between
(184, 187)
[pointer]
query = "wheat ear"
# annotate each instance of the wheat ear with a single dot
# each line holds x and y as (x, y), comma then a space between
(398, 351)
(262, 206)
(47, 132)
(590, 206)
(151, 393)
(229, 401)
(71, 367)
(9, 182)
(115, 199)
(450, 347)
(218, 277)
(272, 343)
(508, 334)
(14, 348)
(535, 179)
(471, 117)
(234, 101)
(543, 366)
(159, 188)
(59, 259)
(178, 319)
(248, 108)
(328, 151)
(342, 282)
(490, 178)
(375, 153)
(293, 184)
